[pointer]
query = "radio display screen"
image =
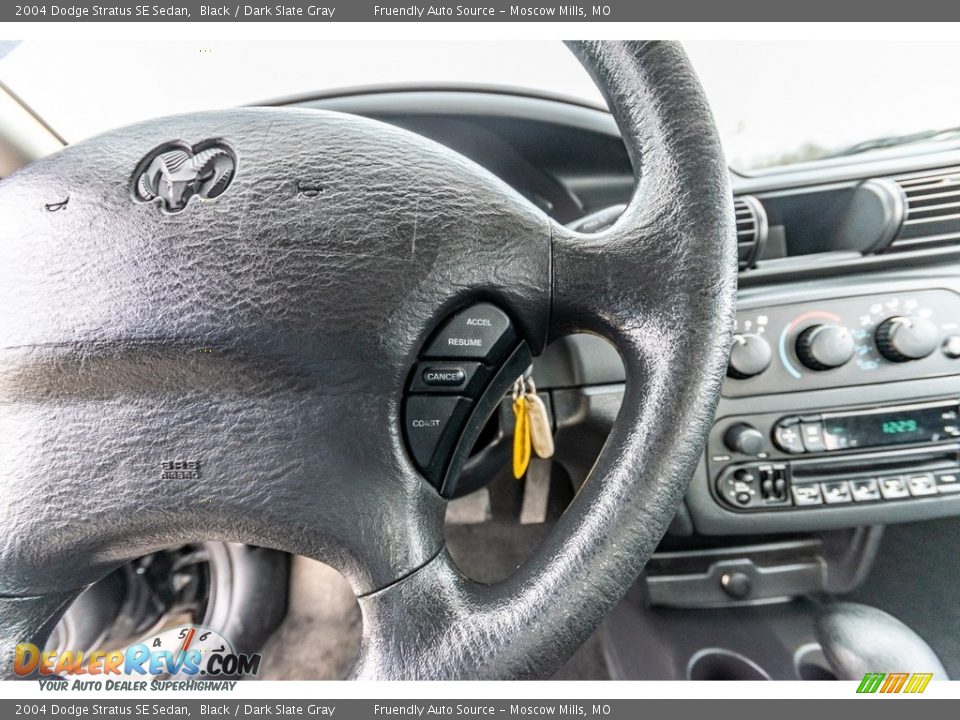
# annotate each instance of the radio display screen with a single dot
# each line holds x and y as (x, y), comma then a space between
(887, 428)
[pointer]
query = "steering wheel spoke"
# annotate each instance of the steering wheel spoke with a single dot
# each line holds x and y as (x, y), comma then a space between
(660, 285)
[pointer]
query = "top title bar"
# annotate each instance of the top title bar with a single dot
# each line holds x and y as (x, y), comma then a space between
(490, 11)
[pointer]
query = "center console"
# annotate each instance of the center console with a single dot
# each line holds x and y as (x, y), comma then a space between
(840, 415)
(841, 407)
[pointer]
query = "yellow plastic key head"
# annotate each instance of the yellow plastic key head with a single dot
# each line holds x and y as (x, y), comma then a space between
(521, 437)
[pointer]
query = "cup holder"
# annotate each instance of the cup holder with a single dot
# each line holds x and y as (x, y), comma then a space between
(720, 664)
(811, 663)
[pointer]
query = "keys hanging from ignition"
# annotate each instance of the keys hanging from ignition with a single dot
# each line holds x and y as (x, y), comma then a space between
(532, 428)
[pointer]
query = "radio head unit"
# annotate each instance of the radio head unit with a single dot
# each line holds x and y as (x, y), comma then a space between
(769, 462)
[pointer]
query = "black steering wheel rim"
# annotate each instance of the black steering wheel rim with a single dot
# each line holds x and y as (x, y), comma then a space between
(311, 307)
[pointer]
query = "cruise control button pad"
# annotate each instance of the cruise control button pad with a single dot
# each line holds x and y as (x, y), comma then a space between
(464, 370)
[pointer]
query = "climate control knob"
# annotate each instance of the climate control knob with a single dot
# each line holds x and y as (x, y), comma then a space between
(900, 339)
(824, 347)
(749, 356)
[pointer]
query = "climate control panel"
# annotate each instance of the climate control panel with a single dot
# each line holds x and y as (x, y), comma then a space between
(845, 341)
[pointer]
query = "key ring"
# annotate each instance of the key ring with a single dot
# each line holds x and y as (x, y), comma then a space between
(519, 387)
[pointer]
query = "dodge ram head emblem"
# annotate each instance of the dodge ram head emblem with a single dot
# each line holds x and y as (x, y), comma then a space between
(176, 172)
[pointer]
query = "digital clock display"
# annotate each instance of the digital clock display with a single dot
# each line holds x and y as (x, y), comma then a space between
(894, 427)
(899, 427)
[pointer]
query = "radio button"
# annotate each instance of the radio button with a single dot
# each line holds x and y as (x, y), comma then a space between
(864, 490)
(773, 484)
(780, 489)
(739, 488)
(920, 485)
(951, 347)
(744, 439)
(807, 495)
(787, 436)
(812, 435)
(836, 493)
(948, 482)
(744, 476)
(893, 488)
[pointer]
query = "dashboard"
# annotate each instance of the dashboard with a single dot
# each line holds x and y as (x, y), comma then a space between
(841, 404)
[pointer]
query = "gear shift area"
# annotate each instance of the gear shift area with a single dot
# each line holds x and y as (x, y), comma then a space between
(859, 639)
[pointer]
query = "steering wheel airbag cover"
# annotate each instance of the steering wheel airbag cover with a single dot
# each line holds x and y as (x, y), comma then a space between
(265, 335)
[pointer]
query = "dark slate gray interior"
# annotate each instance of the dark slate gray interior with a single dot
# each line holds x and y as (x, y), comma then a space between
(267, 334)
(727, 593)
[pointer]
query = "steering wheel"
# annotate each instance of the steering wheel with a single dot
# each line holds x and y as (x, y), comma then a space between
(218, 346)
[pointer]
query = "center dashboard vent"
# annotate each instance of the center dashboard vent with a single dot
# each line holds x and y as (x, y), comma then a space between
(751, 226)
(932, 210)
(751, 229)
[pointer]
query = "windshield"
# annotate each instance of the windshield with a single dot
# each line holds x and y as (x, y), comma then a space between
(776, 103)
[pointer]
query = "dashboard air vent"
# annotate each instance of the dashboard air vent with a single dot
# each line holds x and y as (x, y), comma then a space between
(751, 229)
(932, 216)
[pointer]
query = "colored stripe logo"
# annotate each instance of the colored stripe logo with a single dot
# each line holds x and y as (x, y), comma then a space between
(894, 683)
